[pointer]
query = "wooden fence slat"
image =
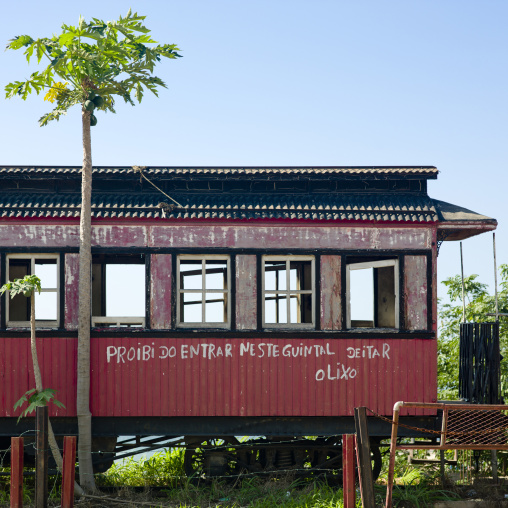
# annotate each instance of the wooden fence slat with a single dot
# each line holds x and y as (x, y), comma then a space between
(363, 455)
(68, 473)
(17, 450)
(348, 470)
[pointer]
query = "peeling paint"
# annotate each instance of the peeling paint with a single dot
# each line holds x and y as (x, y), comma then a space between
(246, 292)
(415, 284)
(331, 314)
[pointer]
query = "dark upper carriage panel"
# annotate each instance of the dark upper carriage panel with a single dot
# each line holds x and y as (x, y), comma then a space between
(246, 248)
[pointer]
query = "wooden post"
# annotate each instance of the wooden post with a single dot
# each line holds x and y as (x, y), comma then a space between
(17, 472)
(68, 473)
(363, 455)
(348, 470)
(41, 461)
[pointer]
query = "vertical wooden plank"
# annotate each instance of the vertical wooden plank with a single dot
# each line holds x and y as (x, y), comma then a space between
(41, 469)
(70, 288)
(348, 470)
(363, 455)
(68, 473)
(331, 313)
(17, 451)
(160, 291)
(415, 292)
(246, 292)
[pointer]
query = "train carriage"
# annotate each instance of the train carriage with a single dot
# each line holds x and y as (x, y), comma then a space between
(273, 302)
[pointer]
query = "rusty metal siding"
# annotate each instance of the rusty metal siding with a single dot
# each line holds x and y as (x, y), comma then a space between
(160, 291)
(246, 292)
(331, 315)
(70, 284)
(253, 381)
(415, 289)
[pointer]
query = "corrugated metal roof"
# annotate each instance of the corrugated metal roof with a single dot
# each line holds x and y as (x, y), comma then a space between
(422, 171)
(317, 206)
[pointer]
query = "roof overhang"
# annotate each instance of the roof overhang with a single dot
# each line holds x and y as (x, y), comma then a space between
(458, 223)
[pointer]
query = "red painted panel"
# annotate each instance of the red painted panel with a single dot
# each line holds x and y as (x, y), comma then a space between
(331, 318)
(239, 377)
(35, 235)
(291, 235)
(334, 377)
(415, 288)
(71, 283)
(119, 236)
(160, 291)
(246, 292)
(198, 234)
(56, 359)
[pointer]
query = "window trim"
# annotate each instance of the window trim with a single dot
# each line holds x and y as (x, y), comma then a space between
(38, 323)
(288, 258)
(115, 321)
(179, 291)
(374, 264)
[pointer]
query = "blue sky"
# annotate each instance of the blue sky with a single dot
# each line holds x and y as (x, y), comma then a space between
(284, 82)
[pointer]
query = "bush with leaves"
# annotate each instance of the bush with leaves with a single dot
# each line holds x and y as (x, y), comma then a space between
(479, 303)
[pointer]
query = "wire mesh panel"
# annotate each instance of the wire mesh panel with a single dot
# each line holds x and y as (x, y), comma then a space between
(475, 427)
(479, 363)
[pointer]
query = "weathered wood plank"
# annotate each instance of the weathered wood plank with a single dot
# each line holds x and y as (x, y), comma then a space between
(331, 315)
(71, 291)
(415, 288)
(160, 291)
(246, 292)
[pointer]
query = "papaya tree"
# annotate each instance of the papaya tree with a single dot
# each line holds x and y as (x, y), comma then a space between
(38, 396)
(90, 65)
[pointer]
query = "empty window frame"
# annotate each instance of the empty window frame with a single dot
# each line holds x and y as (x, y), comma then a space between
(47, 309)
(372, 289)
(203, 294)
(288, 291)
(118, 290)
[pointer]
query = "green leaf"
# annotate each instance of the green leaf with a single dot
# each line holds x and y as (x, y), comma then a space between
(19, 41)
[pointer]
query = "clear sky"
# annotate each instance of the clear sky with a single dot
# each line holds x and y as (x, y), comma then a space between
(290, 82)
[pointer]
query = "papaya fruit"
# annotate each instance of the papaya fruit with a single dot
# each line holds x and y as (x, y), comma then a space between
(89, 105)
(93, 120)
(98, 101)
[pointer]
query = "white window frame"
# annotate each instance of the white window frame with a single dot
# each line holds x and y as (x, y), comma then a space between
(203, 291)
(374, 264)
(288, 291)
(32, 257)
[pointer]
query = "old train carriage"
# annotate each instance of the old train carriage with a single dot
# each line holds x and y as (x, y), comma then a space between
(266, 302)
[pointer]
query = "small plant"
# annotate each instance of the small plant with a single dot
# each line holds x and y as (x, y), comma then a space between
(37, 399)
(25, 286)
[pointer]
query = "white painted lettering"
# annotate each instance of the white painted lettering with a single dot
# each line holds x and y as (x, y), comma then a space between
(110, 352)
(386, 350)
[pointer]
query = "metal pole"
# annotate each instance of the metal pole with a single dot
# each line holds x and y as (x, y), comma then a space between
(495, 275)
(462, 276)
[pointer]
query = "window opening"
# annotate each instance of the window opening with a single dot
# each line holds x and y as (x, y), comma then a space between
(46, 267)
(118, 290)
(203, 291)
(288, 291)
(373, 294)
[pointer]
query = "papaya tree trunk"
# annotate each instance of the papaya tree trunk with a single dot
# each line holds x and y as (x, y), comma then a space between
(39, 387)
(86, 478)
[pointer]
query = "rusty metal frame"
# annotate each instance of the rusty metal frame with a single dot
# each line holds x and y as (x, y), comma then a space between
(449, 440)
